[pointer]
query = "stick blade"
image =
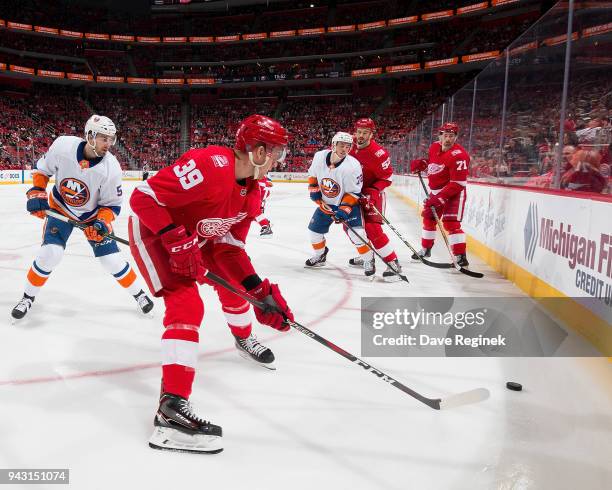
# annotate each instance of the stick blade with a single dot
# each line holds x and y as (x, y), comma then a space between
(470, 273)
(466, 398)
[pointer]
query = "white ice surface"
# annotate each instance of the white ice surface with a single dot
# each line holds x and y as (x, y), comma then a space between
(79, 380)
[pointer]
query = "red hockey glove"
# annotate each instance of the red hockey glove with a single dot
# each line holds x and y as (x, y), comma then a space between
(37, 202)
(370, 196)
(101, 226)
(435, 202)
(279, 312)
(418, 165)
(185, 256)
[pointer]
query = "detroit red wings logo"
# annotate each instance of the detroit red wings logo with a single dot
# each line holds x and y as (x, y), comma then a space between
(434, 168)
(329, 187)
(212, 227)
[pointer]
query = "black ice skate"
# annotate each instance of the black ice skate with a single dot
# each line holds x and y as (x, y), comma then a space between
(22, 307)
(424, 252)
(317, 260)
(462, 260)
(251, 349)
(266, 231)
(356, 261)
(177, 428)
(393, 272)
(144, 302)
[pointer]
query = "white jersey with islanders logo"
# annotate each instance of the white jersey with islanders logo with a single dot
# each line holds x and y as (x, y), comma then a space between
(81, 186)
(345, 177)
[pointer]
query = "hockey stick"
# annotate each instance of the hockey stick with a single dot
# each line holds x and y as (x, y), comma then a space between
(437, 265)
(363, 240)
(81, 226)
(463, 270)
(452, 401)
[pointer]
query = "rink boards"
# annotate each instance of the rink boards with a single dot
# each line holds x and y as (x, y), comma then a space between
(550, 244)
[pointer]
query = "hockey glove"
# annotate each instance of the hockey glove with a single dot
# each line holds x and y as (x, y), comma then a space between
(314, 190)
(37, 202)
(418, 165)
(101, 226)
(435, 202)
(277, 315)
(185, 257)
(370, 196)
(343, 212)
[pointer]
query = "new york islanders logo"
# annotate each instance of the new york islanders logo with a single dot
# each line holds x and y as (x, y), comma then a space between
(74, 192)
(329, 187)
(212, 227)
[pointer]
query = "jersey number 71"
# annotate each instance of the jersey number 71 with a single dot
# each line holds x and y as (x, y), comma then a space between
(189, 176)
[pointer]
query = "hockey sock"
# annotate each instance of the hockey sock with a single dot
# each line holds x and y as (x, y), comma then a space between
(262, 220)
(122, 271)
(383, 246)
(179, 357)
(428, 235)
(456, 236)
(48, 257)
(317, 240)
(238, 319)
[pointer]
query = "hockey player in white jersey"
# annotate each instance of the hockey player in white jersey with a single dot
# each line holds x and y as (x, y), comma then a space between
(334, 182)
(87, 189)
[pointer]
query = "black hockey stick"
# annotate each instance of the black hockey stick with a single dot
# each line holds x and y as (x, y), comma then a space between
(452, 401)
(463, 270)
(364, 241)
(81, 226)
(437, 265)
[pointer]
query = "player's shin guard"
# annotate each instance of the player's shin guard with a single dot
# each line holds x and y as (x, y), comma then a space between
(239, 319)
(122, 271)
(456, 236)
(380, 241)
(317, 240)
(179, 357)
(48, 257)
(428, 235)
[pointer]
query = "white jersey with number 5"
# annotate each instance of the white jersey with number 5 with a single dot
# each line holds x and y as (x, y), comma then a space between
(336, 180)
(80, 189)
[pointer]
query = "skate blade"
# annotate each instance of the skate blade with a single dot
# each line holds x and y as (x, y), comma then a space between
(149, 314)
(394, 278)
(168, 439)
(318, 266)
(371, 278)
(246, 356)
(265, 237)
(356, 266)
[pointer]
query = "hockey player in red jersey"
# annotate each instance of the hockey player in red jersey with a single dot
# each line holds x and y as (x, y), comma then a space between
(190, 217)
(447, 169)
(265, 186)
(377, 172)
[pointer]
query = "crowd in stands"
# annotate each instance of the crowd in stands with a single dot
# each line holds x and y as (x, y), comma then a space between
(437, 40)
(148, 132)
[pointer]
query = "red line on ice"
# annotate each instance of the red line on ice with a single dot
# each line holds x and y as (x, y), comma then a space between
(140, 367)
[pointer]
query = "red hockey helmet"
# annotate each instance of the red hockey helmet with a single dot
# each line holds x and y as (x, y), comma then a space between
(260, 129)
(365, 123)
(449, 127)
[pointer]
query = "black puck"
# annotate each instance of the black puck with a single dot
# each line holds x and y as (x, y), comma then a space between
(511, 385)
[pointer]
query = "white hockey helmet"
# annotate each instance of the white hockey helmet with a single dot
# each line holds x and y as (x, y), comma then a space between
(343, 137)
(100, 124)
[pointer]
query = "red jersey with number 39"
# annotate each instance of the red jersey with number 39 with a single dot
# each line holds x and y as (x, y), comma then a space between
(446, 167)
(200, 192)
